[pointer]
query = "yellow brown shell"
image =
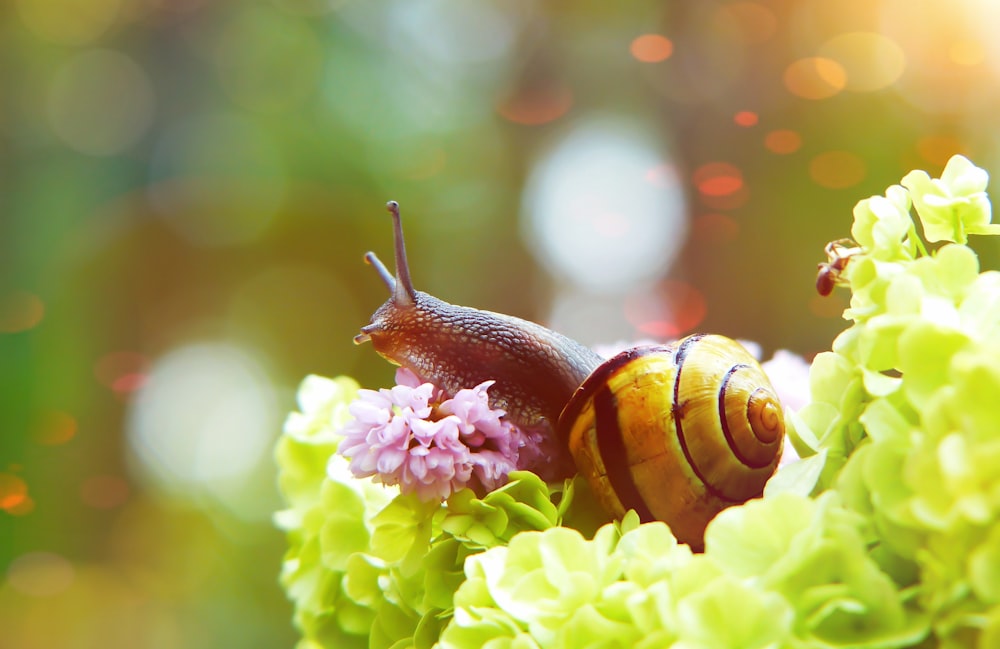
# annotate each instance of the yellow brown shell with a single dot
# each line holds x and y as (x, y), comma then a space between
(677, 433)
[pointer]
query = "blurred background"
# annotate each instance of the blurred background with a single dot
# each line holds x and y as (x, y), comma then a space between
(188, 187)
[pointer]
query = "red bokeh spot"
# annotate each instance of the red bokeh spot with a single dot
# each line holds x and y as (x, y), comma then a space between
(129, 382)
(531, 107)
(746, 118)
(718, 179)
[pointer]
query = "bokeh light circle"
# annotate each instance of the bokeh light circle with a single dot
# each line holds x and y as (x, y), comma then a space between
(651, 48)
(938, 149)
(217, 180)
(205, 419)
(871, 61)
(55, 428)
(717, 179)
(534, 106)
(69, 22)
(967, 52)
(13, 491)
(268, 61)
(100, 102)
(815, 77)
(446, 34)
(20, 311)
(746, 118)
(592, 217)
(40, 574)
(783, 141)
(837, 169)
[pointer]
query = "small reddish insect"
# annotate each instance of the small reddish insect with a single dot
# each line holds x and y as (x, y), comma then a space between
(838, 253)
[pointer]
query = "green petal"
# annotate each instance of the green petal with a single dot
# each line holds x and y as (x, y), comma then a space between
(925, 352)
(798, 478)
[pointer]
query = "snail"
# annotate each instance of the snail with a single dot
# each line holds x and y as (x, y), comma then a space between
(676, 432)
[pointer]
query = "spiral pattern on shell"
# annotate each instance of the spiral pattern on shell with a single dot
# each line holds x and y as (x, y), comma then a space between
(677, 432)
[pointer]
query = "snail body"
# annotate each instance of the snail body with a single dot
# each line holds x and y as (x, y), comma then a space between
(675, 432)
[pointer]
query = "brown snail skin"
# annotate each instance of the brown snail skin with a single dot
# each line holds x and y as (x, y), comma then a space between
(676, 432)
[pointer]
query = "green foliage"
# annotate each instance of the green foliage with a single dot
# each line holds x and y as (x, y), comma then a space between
(884, 535)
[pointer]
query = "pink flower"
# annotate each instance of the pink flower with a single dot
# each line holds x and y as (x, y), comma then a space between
(414, 436)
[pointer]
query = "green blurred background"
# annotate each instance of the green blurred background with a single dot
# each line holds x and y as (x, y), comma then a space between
(188, 188)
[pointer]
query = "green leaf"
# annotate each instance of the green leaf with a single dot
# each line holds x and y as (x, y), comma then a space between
(800, 477)
(403, 530)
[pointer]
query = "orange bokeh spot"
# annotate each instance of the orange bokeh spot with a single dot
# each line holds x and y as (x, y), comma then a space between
(651, 48)
(20, 311)
(55, 428)
(673, 309)
(714, 228)
(783, 141)
(746, 118)
(24, 507)
(837, 169)
(718, 179)
(538, 106)
(967, 52)
(13, 491)
(815, 78)
(938, 149)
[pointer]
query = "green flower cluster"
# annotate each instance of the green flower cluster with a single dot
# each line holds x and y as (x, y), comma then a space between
(785, 571)
(886, 534)
(906, 408)
(370, 567)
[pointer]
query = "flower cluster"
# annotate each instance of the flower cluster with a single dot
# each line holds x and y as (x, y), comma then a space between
(886, 534)
(788, 571)
(415, 436)
(904, 408)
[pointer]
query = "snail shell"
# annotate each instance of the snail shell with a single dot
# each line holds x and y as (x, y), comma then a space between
(676, 433)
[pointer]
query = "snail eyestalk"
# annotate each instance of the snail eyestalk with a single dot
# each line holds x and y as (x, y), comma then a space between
(372, 260)
(403, 293)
